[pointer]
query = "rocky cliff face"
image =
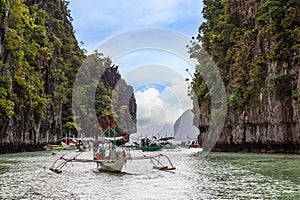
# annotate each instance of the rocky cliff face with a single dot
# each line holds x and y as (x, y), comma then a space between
(123, 100)
(258, 57)
(277, 130)
(38, 57)
(39, 60)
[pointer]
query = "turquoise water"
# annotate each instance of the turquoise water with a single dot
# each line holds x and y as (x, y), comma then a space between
(216, 176)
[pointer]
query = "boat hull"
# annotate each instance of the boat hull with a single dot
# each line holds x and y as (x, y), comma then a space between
(53, 147)
(153, 148)
(193, 151)
(68, 147)
(112, 166)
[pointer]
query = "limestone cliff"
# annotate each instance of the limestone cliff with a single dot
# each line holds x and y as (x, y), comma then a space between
(255, 44)
(39, 60)
(123, 100)
(39, 56)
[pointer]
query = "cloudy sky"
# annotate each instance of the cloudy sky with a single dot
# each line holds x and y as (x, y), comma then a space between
(147, 40)
(97, 20)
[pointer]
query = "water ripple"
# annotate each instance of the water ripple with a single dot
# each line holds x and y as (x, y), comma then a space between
(217, 176)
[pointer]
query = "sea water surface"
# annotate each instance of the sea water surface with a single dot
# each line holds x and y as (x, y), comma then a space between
(215, 176)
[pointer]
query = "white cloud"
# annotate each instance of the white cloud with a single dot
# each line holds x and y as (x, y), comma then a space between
(147, 100)
(143, 57)
(124, 13)
(95, 21)
(158, 111)
(149, 53)
(180, 88)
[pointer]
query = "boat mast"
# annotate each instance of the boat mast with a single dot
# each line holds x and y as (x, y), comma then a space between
(108, 129)
(101, 134)
(115, 141)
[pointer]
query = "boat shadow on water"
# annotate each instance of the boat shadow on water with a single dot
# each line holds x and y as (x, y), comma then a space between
(101, 172)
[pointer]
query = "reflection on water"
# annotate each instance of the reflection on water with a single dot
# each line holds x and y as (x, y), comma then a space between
(217, 176)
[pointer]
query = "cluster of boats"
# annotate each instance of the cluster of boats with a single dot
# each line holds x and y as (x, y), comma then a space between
(69, 143)
(111, 158)
(163, 143)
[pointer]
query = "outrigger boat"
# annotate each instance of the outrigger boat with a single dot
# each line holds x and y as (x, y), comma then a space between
(151, 148)
(68, 143)
(68, 146)
(114, 165)
(50, 147)
(108, 158)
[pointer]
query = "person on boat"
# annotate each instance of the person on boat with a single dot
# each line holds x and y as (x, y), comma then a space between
(143, 143)
(96, 143)
(80, 145)
(147, 142)
(192, 144)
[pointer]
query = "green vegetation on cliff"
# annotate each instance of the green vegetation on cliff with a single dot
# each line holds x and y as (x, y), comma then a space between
(39, 61)
(244, 38)
(113, 100)
(39, 58)
(255, 45)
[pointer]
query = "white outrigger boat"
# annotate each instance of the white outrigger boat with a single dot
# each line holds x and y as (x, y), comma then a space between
(114, 165)
(108, 158)
(112, 160)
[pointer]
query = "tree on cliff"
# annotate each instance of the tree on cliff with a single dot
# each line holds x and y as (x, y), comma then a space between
(39, 57)
(255, 45)
(39, 61)
(101, 95)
